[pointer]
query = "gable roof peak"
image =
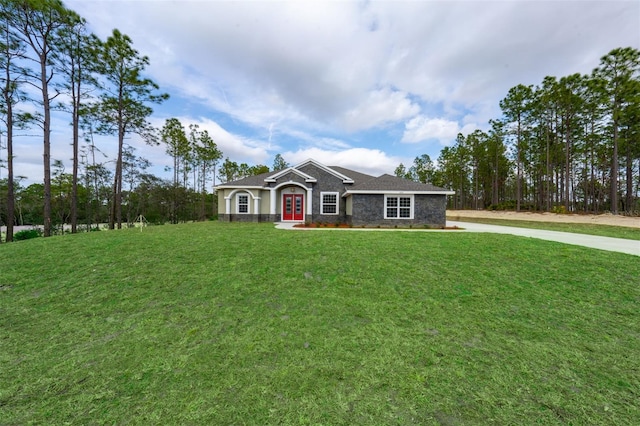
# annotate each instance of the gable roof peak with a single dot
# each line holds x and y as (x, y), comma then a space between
(345, 178)
(292, 169)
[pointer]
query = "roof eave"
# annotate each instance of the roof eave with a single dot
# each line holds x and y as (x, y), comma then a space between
(399, 192)
(239, 187)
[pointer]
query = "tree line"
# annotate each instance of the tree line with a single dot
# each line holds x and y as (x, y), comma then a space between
(50, 62)
(569, 144)
(145, 196)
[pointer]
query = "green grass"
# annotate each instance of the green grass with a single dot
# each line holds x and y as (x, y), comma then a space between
(577, 228)
(215, 323)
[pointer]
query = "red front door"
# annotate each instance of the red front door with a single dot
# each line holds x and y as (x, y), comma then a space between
(293, 207)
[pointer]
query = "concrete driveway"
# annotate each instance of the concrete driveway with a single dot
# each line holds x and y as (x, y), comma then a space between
(593, 241)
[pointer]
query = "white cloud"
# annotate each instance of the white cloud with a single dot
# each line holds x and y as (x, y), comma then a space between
(309, 139)
(379, 108)
(370, 161)
(320, 61)
(306, 74)
(318, 51)
(422, 128)
(234, 146)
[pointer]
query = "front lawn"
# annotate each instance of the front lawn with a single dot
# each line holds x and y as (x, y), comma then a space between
(218, 323)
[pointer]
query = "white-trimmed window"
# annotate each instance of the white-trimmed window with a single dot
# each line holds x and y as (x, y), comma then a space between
(329, 203)
(242, 203)
(398, 206)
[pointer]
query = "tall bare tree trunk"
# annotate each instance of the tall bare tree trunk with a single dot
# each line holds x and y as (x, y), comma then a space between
(11, 197)
(567, 174)
(629, 179)
(74, 184)
(519, 170)
(46, 156)
(614, 170)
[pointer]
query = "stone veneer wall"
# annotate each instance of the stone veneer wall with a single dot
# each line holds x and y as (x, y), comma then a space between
(326, 183)
(368, 210)
(247, 218)
(429, 210)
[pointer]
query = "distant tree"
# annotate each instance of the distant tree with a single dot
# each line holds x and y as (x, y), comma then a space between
(151, 198)
(229, 171)
(570, 101)
(133, 167)
(497, 164)
(422, 169)
(38, 22)
(279, 163)
(618, 75)
(30, 204)
(630, 138)
(12, 50)
(445, 174)
(97, 181)
(402, 172)
(568, 143)
(453, 172)
(516, 109)
(123, 106)
(243, 171)
(207, 155)
(174, 136)
(258, 170)
(476, 144)
(3, 198)
(75, 61)
(61, 190)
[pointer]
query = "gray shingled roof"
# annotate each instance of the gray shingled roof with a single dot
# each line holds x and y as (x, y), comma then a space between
(257, 180)
(362, 182)
(393, 183)
(356, 176)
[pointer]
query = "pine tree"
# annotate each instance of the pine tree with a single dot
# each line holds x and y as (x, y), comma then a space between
(123, 107)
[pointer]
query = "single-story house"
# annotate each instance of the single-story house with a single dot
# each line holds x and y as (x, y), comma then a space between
(312, 192)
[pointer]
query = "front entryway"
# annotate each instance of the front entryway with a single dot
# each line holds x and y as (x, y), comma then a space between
(293, 207)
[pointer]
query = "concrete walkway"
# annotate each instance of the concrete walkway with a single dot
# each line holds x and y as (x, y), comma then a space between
(592, 241)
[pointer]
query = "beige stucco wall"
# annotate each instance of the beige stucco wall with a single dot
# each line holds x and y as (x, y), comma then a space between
(265, 201)
(224, 193)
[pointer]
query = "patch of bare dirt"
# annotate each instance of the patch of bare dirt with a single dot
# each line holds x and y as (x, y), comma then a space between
(601, 219)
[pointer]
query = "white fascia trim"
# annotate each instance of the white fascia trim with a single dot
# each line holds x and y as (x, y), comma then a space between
(237, 187)
(345, 179)
(306, 177)
(348, 192)
(245, 190)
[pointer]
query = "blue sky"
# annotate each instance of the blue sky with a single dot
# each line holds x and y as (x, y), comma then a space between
(364, 85)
